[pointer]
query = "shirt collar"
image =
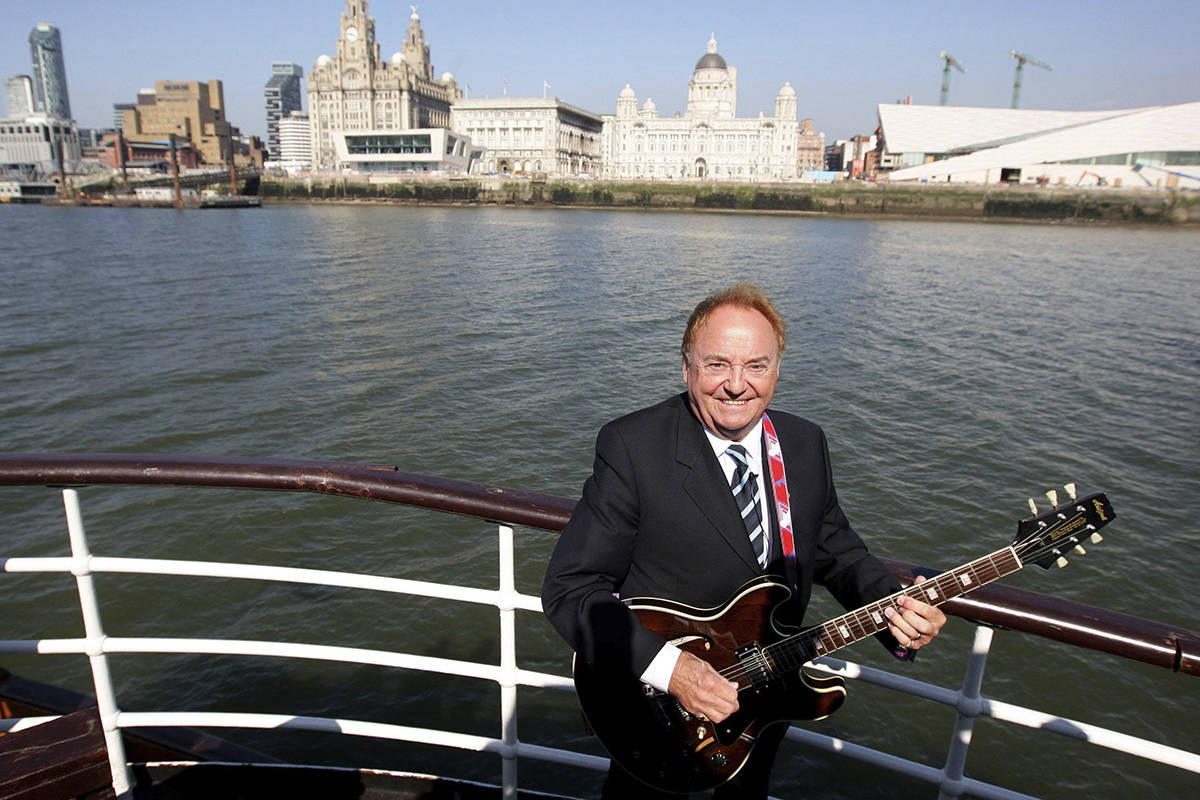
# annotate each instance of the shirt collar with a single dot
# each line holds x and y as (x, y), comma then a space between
(752, 441)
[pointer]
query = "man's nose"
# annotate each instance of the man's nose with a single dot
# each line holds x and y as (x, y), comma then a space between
(736, 383)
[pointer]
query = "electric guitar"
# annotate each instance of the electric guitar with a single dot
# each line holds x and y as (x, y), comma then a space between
(654, 738)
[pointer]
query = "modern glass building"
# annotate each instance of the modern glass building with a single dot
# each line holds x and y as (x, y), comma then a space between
(282, 94)
(49, 72)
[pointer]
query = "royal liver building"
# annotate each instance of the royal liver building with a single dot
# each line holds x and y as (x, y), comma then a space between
(358, 91)
(709, 141)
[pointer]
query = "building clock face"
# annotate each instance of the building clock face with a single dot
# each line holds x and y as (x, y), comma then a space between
(351, 34)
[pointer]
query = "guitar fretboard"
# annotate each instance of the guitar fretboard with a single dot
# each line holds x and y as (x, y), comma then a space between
(847, 629)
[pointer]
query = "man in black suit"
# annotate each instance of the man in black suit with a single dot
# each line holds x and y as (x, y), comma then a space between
(658, 518)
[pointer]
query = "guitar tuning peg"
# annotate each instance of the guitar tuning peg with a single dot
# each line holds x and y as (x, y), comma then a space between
(1033, 507)
(1079, 549)
(1096, 538)
(1052, 496)
(1061, 561)
(1070, 490)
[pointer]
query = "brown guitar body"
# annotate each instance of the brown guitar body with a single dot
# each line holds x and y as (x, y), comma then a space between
(651, 735)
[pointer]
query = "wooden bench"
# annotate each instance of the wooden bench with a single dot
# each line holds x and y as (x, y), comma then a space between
(62, 759)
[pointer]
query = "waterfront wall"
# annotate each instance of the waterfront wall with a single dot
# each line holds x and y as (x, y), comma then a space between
(847, 199)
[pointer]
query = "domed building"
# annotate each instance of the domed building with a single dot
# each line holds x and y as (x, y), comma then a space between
(359, 103)
(708, 141)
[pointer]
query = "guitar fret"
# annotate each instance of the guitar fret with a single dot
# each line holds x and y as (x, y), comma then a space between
(860, 627)
(871, 619)
(993, 572)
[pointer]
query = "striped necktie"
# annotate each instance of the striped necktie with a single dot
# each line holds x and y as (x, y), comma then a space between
(745, 494)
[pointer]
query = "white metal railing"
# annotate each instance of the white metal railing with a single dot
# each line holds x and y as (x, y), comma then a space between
(949, 778)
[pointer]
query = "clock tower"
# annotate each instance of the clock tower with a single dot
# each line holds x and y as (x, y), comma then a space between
(358, 93)
(357, 43)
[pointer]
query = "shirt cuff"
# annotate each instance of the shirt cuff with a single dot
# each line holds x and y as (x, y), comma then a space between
(658, 674)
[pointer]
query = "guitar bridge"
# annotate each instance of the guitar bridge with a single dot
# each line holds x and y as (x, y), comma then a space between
(754, 663)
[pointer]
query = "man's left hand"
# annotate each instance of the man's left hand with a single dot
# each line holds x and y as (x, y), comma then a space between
(914, 623)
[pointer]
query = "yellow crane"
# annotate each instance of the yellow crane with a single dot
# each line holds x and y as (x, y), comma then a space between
(1022, 60)
(951, 61)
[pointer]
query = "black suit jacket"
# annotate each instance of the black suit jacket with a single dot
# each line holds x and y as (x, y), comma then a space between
(657, 519)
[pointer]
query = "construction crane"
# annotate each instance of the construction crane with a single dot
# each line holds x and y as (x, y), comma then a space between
(950, 62)
(1022, 60)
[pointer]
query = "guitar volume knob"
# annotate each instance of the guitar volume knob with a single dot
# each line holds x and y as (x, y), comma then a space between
(718, 760)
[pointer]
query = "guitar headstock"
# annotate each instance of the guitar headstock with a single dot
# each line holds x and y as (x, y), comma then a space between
(1045, 538)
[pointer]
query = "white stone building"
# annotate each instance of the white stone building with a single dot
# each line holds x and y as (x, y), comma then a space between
(709, 141)
(530, 135)
(359, 93)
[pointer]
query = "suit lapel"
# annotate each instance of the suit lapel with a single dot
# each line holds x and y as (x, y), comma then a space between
(705, 484)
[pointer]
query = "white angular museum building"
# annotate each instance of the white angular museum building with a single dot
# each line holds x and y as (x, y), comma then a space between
(1156, 146)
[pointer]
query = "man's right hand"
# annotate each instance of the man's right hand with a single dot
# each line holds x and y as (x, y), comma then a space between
(701, 690)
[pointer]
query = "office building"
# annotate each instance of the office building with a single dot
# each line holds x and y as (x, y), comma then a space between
(359, 94)
(530, 135)
(295, 144)
(408, 152)
(810, 148)
(849, 156)
(282, 95)
(119, 110)
(49, 72)
(192, 110)
(18, 96)
(29, 145)
(709, 141)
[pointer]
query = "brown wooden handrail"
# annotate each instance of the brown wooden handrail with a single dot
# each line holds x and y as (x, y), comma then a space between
(1081, 625)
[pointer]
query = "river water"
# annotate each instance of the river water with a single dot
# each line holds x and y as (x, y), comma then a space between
(957, 368)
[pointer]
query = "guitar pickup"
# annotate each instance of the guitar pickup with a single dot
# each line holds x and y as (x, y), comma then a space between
(754, 663)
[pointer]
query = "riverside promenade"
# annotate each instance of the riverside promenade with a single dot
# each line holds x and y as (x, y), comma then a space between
(848, 198)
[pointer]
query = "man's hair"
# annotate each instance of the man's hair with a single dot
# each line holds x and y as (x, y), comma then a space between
(743, 295)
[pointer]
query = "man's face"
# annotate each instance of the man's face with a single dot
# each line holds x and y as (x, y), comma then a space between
(732, 370)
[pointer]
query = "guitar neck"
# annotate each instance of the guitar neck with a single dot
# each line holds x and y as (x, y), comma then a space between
(869, 620)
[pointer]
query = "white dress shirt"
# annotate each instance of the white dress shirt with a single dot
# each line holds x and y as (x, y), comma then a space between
(658, 674)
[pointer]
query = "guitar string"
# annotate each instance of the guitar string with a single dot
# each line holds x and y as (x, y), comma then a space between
(870, 619)
(940, 582)
(855, 625)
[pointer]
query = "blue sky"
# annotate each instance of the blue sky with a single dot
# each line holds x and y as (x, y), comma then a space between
(842, 58)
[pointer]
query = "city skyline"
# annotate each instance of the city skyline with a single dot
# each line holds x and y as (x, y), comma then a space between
(841, 66)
